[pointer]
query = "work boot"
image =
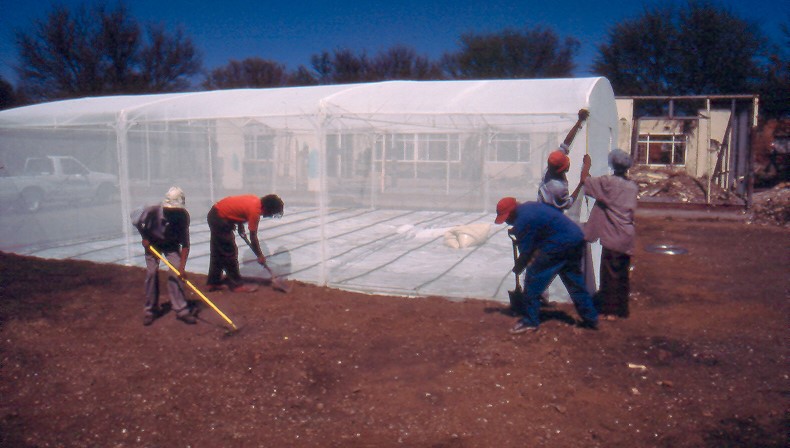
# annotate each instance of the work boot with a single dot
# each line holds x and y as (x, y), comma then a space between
(216, 288)
(588, 324)
(521, 327)
(148, 319)
(187, 319)
(194, 310)
(244, 288)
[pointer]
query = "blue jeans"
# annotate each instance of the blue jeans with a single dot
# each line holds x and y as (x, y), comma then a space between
(541, 272)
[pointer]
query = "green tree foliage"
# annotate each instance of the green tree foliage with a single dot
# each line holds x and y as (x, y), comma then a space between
(718, 51)
(774, 87)
(640, 56)
(251, 72)
(99, 51)
(509, 54)
(699, 49)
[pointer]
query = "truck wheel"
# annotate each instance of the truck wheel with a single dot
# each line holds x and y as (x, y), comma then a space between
(104, 193)
(30, 200)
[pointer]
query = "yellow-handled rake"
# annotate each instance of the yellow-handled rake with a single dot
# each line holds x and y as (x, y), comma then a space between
(193, 287)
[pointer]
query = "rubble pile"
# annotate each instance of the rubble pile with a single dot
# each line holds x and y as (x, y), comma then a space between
(772, 206)
(674, 185)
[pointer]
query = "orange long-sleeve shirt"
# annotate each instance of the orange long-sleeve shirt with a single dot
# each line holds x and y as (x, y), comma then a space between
(242, 208)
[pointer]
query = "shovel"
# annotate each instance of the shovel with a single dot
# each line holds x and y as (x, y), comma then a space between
(516, 295)
(277, 283)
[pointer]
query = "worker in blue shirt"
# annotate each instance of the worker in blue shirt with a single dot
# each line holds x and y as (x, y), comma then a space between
(549, 244)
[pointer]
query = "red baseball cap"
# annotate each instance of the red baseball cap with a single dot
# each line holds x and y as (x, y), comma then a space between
(559, 161)
(504, 207)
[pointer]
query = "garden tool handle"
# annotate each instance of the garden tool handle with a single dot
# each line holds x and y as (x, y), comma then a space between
(515, 259)
(264, 264)
(193, 287)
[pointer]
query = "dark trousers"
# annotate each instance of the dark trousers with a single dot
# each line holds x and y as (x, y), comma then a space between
(224, 255)
(540, 273)
(612, 296)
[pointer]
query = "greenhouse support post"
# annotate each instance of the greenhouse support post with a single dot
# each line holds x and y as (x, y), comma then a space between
(122, 146)
(211, 168)
(708, 147)
(322, 194)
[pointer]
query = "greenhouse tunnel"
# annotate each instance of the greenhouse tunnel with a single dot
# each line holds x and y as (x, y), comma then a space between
(389, 187)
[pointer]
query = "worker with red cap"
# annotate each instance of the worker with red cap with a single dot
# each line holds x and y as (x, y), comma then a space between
(549, 244)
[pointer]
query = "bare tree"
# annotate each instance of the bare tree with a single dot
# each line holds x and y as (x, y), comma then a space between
(58, 58)
(7, 97)
(398, 62)
(99, 51)
(322, 64)
(250, 72)
(168, 61)
(531, 53)
(302, 76)
(119, 42)
(402, 62)
(341, 67)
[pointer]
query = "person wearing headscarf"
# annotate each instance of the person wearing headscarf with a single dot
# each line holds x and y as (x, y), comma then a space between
(612, 222)
(165, 227)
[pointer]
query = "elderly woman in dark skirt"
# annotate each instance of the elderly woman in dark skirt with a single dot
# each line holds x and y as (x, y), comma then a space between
(612, 221)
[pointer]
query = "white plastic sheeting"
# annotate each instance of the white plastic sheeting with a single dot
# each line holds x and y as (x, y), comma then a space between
(373, 175)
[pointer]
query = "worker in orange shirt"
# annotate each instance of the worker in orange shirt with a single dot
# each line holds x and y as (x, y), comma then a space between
(226, 215)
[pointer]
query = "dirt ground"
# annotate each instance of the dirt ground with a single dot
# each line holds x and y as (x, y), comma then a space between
(701, 362)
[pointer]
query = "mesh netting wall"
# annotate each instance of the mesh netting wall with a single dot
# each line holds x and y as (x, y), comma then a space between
(373, 197)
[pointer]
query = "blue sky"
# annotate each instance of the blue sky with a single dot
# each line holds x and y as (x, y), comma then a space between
(290, 32)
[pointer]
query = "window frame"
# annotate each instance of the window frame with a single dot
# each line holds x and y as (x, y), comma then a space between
(522, 147)
(678, 145)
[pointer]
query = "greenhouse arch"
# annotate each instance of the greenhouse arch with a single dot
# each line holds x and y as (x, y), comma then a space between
(374, 176)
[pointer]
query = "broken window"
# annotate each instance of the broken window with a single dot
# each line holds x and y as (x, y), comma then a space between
(661, 149)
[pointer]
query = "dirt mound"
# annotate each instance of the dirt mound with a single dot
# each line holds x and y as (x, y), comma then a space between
(772, 206)
(674, 185)
(702, 362)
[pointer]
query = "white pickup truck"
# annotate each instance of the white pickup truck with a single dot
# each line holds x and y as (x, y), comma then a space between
(55, 179)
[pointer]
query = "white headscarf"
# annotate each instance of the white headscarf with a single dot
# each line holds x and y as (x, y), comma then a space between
(555, 193)
(174, 198)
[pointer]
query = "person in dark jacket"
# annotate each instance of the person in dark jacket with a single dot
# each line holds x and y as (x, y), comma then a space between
(549, 244)
(165, 226)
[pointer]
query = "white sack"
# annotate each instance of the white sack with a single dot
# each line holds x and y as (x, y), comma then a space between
(459, 237)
